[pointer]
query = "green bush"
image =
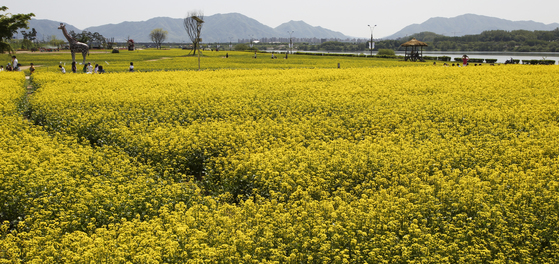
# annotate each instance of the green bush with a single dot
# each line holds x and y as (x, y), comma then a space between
(115, 51)
(386, 52)
(538, 62)
(241, 47)
(490, 60)
(476, 60)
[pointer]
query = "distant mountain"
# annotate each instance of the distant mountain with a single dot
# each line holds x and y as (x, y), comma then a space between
(304, 30)
(217, 28)
(221, 27)
(469, 24)
(46, 28)
(139, 31)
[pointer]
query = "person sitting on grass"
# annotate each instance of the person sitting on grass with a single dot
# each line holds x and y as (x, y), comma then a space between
(62, 69)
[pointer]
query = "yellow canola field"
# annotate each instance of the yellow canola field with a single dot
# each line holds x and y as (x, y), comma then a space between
(12, 92)
(423, 164)
(176, 59)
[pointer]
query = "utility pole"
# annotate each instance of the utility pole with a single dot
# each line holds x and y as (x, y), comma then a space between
(290, 40)
(371, 45)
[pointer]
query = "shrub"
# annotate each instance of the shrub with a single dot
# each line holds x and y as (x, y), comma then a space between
(386, 52)
(241, 47)
(476, 60)
(115, 51)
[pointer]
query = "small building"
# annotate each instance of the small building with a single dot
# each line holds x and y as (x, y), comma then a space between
(416, 52)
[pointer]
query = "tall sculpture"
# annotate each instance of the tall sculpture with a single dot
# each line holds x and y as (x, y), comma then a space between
(75, 46)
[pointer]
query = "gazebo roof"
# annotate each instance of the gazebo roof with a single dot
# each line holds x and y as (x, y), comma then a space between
(414, 42)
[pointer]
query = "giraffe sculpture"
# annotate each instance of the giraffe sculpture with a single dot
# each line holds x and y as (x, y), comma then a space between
(75, 46)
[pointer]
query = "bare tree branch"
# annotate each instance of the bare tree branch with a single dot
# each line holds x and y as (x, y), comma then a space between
(157, 36)
(193, 25)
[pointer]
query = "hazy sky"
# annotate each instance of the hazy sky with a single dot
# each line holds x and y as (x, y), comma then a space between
(349, 17)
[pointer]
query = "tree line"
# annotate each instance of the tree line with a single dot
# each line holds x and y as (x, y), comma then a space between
(492, 40)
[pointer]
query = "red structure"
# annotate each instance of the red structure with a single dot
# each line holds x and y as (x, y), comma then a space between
(131, 46)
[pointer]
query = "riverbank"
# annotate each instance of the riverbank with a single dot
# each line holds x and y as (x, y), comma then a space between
(501, 57)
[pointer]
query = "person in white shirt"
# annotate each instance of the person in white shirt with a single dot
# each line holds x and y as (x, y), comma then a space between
(131, 69)
(62, 69)
(15, 63)
(89, 68)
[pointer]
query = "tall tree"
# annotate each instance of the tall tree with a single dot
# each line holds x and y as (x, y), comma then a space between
(84, 37)
(53, 41)
(29, 38)
(157, 36)
(31, 35)
(9, 25)
(88, 37)
(193, 25)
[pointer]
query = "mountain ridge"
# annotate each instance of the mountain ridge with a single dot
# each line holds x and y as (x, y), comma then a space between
(217, 28)
(235, 26)
(469, 24)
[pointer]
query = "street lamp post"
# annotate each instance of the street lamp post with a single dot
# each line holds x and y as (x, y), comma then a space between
(291, 40)
(250, 43)
(371, 45)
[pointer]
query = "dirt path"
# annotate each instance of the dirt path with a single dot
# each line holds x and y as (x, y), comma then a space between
(64, 51)
(29, 87)
(27, 68)
(163, 58)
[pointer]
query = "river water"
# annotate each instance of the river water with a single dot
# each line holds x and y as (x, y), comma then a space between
(500, 56)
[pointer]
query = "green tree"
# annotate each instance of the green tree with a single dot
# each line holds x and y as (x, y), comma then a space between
(10, 24)
(241, 47)
(53, 41)
(84, 37)
(29, 38)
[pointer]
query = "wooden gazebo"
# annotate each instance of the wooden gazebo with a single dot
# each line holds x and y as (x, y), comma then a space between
(416, 53)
